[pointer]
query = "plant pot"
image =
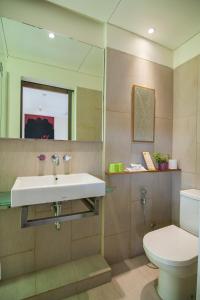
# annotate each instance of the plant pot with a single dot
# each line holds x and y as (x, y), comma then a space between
(163, 166)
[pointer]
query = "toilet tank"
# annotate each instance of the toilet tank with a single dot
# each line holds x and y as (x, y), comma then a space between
(189, 210)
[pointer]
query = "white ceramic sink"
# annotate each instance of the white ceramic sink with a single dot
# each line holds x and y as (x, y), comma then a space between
(44, 189)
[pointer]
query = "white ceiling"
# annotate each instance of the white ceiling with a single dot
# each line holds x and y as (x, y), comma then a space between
(175, 21)
(31, 43)
(97, 9)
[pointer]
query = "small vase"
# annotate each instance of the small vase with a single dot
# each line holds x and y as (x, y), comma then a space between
(163, 166)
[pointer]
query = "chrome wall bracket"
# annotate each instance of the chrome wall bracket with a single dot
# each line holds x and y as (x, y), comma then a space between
(92, 205)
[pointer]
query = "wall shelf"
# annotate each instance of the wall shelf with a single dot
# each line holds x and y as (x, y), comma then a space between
(138, 172)
(5, 200)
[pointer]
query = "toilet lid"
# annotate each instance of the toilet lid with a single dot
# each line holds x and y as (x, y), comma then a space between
(172, 245)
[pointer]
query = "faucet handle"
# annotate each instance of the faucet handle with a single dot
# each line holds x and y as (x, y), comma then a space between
(66, 157)
(55, 159)
(41, 157)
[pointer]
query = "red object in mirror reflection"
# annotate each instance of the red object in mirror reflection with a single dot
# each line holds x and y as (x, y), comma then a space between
(42, 157)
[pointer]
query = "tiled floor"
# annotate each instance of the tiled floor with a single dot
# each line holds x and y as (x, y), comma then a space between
(132, 280)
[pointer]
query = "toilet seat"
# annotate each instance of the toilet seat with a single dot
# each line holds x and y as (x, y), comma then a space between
(172, 245)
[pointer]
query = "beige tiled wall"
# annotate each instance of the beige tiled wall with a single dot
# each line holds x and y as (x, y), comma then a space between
(123, 71)
(186, 130)
(126, 220)
(25, 250)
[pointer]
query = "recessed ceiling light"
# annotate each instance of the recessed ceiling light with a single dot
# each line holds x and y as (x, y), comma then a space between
(151, 30)
(51, 35)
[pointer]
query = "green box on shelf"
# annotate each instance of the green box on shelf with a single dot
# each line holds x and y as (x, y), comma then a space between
(116, 168)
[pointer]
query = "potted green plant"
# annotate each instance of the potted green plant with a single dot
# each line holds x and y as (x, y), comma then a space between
(162, 160)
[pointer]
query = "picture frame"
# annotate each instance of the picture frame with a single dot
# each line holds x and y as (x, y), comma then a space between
(143, 114)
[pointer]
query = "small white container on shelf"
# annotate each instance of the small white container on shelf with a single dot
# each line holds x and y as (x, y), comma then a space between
(172, 164)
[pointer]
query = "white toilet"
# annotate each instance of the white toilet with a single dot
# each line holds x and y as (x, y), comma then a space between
(174, 251)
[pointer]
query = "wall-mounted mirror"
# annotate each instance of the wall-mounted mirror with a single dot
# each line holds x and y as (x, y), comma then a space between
(143, 114)
(51, 86)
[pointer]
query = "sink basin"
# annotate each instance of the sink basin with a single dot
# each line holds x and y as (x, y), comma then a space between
(45, 189)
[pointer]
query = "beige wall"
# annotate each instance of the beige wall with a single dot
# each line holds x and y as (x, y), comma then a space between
(25, 250)
(186, 129)
(88, 114)
(124, 70)
(186, 126)
(125, 223)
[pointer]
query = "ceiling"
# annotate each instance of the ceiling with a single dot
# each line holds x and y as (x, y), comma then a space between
(33, 44)
(175, 21)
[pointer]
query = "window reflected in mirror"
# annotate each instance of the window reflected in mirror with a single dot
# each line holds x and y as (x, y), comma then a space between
(46, 112)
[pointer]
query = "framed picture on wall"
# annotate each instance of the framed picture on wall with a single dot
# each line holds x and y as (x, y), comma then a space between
(143, 114)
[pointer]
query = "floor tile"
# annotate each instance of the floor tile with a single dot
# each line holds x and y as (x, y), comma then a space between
(106, 291)
(133, 279)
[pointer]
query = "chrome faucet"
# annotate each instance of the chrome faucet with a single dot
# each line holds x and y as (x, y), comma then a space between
(55, 159)
(66, 157)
